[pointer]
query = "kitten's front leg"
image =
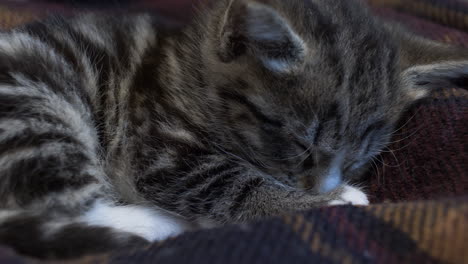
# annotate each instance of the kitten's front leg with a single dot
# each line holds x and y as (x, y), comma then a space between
(223, 191)
(273, 198)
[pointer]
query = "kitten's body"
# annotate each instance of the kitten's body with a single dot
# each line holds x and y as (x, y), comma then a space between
(114, 131)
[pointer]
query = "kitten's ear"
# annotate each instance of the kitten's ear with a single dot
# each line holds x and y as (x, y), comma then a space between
(426, 64)
(258, 30)
(421, 79)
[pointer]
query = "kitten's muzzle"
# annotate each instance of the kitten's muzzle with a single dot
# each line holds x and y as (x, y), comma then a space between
(331, 180)
(332, 176)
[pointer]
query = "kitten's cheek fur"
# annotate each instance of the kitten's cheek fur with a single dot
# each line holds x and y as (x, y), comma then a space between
(351, 195)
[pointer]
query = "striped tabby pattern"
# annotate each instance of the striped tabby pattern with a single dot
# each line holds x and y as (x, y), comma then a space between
(115, 131)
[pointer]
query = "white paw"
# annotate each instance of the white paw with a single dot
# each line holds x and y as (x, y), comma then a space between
(150, 223)
(351, 195)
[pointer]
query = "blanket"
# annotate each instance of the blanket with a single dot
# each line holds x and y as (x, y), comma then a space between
(418, 186)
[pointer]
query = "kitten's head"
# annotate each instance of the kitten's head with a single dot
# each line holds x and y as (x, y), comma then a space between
(310, 89)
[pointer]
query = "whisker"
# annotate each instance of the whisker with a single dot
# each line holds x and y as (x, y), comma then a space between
(386, 164)
(376, 169)
(251, 154)
(394, 156)
(229, 153)
(407, 121)
(412, 134)
(298, 155)
(393, 150)
(300, 163)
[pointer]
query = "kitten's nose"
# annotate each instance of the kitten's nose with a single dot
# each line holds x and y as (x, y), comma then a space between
(332, 177)
(331, 180)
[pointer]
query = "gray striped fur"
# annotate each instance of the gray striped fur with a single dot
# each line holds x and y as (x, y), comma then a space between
(255, 109)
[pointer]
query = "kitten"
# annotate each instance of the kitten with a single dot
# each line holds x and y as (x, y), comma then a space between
(118, 131)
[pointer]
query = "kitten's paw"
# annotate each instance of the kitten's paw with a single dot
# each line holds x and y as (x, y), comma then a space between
(146, 222)
(351, 195)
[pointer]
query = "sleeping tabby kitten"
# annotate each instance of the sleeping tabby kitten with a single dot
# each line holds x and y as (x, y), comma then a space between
(117, 131)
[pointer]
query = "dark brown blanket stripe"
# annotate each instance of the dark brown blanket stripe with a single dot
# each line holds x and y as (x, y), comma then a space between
(419, 187)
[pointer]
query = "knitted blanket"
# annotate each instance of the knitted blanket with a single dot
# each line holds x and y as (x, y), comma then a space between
(418, 187)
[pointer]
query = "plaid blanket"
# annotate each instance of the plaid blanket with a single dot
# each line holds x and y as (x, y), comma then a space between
(418, 187)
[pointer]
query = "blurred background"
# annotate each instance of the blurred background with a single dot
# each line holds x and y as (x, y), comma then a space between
(12, 12)
(15, 12)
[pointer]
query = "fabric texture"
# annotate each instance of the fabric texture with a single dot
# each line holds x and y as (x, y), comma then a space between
(418, 186)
